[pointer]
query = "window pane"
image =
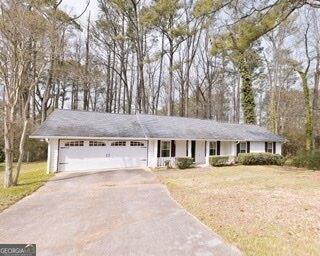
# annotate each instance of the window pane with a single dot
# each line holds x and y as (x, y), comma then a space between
(165, 148)
(118, 143)
(165, 145)
(96, 143)
(213, 148)
(136, 144)
(243, 147)
(165, 153)
(74, 143)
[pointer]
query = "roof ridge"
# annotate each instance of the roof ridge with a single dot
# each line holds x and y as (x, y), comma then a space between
(201, 119)
(145, 114)
(98, 112)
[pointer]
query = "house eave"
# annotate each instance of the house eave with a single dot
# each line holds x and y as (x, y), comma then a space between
(84, 137)
(145, 138)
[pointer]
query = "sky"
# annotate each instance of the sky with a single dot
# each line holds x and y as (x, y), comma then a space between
(76, 7)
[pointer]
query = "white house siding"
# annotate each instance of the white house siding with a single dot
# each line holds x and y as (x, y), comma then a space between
(257, 147)
(279, 148)
(226, 148)
(181, 148)
(52, 155)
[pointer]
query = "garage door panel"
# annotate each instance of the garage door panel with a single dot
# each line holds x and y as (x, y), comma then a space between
(72, 158)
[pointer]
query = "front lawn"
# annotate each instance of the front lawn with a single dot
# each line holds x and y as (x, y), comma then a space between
(33, 175)
(263, 210)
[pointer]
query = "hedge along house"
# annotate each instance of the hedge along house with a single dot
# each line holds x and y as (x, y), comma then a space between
(84, 141)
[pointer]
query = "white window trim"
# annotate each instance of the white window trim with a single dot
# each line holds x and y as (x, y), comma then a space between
(162, 148)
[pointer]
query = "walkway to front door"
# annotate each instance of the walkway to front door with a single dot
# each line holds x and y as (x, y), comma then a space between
(122, 212)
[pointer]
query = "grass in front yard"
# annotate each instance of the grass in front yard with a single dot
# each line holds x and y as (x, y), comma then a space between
(263, 210)
(32, 176)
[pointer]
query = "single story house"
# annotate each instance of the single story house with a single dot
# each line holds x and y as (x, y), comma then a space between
(82, 140)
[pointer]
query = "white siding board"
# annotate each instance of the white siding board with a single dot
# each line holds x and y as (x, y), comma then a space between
(226, 148)
(257, 147)
(181, 148)
(279, 148)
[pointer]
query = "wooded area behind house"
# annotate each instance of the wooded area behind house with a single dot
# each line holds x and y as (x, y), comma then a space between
(234, 61)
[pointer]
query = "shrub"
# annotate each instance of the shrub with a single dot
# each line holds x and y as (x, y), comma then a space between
(2, 156)
(310, 160)
(260, 159)
(218, 160)
(184, 162)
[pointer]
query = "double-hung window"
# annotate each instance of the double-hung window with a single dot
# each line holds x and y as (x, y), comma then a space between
(213, 148)
(165, 148)
(243, 147)
(270, 147)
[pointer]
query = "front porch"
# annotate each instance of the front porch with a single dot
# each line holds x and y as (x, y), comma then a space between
(166, 151)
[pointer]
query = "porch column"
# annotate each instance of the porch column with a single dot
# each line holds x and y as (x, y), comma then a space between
(234, 148)
(155, 154)
(207, 152)
(48, 157)
(189, 148)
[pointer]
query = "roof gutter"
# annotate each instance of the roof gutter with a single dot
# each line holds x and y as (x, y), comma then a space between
(144, 138)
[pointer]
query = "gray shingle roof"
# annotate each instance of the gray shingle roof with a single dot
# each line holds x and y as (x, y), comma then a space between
(68, 123)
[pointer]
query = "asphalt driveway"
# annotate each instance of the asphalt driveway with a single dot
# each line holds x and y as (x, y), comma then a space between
(122, 212)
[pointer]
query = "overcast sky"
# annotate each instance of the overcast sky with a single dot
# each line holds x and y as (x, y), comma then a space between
(75, 7)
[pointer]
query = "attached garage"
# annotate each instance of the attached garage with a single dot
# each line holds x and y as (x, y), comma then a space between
(84, 155)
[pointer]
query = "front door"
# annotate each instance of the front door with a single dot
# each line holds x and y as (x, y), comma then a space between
(193, 150)
(200, 152)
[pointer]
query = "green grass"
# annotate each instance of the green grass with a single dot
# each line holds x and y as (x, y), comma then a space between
(263, 210)
(32, 176)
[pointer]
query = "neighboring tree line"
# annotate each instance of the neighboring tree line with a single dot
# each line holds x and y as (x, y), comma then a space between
(227, 60)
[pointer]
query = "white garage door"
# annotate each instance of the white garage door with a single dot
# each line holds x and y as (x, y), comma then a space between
(86, 155)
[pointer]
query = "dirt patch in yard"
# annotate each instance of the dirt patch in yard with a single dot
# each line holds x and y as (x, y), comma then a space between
(263, 210)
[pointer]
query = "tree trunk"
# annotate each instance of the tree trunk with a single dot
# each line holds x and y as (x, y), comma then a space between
(308, 111)
(8, 138)
(160, 75)
(247, 96)
(315, 103)
(170, 89)
(86, 89)
(21, 150)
